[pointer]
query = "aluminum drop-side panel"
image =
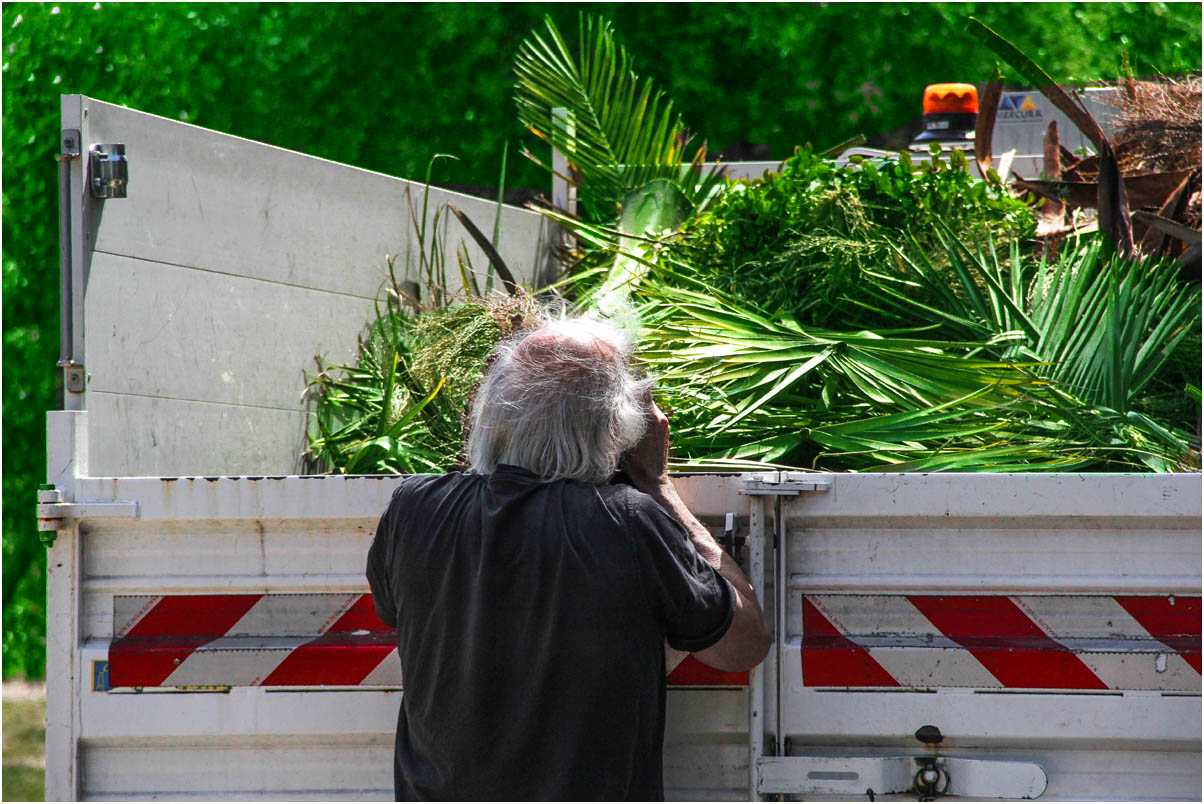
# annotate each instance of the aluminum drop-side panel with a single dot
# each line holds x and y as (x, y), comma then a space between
(229, 266)
(1052, 618)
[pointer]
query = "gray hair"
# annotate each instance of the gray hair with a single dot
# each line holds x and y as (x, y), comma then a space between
(560, 402)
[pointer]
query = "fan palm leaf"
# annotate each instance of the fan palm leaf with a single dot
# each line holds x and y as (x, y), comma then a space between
(1099, 326)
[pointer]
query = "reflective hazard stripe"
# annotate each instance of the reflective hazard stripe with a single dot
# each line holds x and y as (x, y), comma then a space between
(685, 670)
(1170, 620)
(1009, 644)
(1023, 642)
(280, 640)
(340, 656)
(831, 659)
(175, 627)
(250, 640)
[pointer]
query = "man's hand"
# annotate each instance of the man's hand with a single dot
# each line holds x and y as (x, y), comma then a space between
(747, 640)
(647, 463)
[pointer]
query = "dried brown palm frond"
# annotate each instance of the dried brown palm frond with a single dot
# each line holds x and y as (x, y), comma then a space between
(1156, 147)
(1159, 131)
(1159, 124)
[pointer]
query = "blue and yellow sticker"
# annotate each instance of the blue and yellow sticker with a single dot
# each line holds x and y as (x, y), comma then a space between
(100, 675)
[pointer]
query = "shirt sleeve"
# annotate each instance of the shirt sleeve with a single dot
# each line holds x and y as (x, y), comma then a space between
(380, 563)
(696, 603)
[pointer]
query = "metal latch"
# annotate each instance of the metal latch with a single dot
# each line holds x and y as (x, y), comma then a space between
(789, 487)
(927, 777)
(109, 171)
(52, 510)
(932, 778)
(731, 541)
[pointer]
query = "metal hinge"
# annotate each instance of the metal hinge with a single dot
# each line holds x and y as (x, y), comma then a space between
(52, 510)
(789, 487)
(74, 378)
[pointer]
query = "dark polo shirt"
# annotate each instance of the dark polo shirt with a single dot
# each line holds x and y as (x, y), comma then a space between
(531, 620)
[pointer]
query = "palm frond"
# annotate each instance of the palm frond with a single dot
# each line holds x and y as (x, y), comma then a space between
(1107, 324)
(620, 132)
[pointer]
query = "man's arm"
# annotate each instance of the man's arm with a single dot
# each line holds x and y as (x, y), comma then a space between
(746, 642)
(378, 569)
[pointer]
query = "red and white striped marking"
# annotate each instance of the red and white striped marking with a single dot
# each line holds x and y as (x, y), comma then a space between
(250, 640)
(280, 640)
(1023, 642)
(685, 670)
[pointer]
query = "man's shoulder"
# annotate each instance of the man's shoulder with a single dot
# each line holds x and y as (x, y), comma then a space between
(414, 487)
(622, 497)
(415, 482)
(637, 506)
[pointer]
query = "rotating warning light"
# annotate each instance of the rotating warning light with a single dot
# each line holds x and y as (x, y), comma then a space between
(950, 115)
(950, 99)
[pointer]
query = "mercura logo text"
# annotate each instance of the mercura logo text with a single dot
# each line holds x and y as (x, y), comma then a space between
(1018, 107)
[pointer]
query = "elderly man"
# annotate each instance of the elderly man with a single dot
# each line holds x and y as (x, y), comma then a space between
(533, 596)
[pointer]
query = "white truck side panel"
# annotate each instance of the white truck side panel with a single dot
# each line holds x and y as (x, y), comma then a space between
(229, 267)
(283, 535)
(1056, 546)
(310, 534)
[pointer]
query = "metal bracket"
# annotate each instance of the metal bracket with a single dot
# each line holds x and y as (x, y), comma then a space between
(924, 777)
(109, 172)
(785, 488)
(52, 510)
(75, 378)
(70, 145)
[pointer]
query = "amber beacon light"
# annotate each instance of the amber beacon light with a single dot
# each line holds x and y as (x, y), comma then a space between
(950, 114)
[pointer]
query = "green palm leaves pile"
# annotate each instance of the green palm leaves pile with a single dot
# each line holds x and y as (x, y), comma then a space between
(955, 360)
(1054, 393)
(845, 319)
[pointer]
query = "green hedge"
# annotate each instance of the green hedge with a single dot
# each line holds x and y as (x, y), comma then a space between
(382, 86)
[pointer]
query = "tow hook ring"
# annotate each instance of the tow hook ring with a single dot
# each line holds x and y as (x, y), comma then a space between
(931, 780)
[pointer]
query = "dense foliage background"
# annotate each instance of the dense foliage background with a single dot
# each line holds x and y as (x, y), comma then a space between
(383, 86)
